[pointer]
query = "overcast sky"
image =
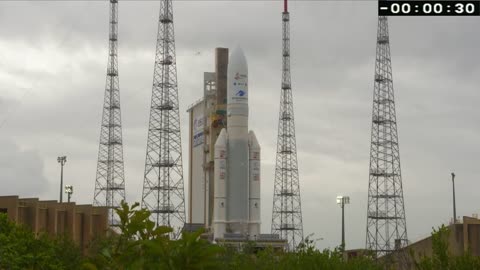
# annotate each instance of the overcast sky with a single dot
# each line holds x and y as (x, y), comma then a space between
(53, 57)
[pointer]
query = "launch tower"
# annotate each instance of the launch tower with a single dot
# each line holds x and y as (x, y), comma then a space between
(110, 179)
(386, 225)
(163, 191)
(287, 210)
(208, 116)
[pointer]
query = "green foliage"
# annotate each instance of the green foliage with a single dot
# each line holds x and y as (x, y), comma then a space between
(137, 241)
(20, 249)
(191, 252)
(141, 245)
(305, 257)
(138, 244)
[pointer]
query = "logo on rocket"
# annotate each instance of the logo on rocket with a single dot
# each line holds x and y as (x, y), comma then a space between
(239, 76)
(240, 93)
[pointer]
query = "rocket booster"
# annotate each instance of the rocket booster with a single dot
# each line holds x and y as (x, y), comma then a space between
(237, 158)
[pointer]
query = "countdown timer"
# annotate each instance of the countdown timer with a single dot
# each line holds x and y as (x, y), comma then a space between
(428, 8)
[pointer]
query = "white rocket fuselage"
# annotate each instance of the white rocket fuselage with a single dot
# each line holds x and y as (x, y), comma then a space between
(237, 161)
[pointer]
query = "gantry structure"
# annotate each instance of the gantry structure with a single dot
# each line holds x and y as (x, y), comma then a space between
(287, 210)
(386, 224)
(110, 178)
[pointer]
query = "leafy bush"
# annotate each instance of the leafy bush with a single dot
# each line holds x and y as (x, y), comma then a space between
(20, 249)
(138, 244)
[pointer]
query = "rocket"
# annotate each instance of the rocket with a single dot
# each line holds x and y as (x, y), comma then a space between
(237, 161)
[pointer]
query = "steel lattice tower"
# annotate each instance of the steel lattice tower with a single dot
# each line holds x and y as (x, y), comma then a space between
(287, 210)
(110, 179)
(163, 192)
(386, 225)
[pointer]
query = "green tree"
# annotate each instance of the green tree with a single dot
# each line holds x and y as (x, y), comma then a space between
(21, 249)
(133, 246)
(192, 252)
(141, 245)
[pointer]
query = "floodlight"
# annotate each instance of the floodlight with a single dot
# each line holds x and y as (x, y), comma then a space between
(62, 159)
(342, 200)
(69, 189)
(339, 199)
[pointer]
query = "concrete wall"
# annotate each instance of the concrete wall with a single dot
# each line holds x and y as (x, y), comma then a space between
(464, 237)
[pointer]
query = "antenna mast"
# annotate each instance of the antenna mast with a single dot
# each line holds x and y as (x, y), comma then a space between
(163, 191)
(110, 179)
(287, 210)
(386, 224)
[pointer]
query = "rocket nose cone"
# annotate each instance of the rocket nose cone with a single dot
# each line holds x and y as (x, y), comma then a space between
(237, 85)
(252, 139)
(222, 138)
(238, 57)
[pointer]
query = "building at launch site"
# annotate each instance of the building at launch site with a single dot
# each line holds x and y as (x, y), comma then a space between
(80, 223)
(224, 158)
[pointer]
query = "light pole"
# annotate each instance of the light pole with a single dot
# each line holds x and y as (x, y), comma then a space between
(342, 201)
(69, 191)
(454, 206)
(62, 160)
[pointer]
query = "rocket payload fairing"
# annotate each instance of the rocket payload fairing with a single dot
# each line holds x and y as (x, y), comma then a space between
(237, 161)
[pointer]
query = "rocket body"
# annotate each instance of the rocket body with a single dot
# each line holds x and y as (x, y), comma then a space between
(241, 191)
(237, 127)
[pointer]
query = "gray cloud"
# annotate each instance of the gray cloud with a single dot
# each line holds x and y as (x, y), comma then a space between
(22, 170)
